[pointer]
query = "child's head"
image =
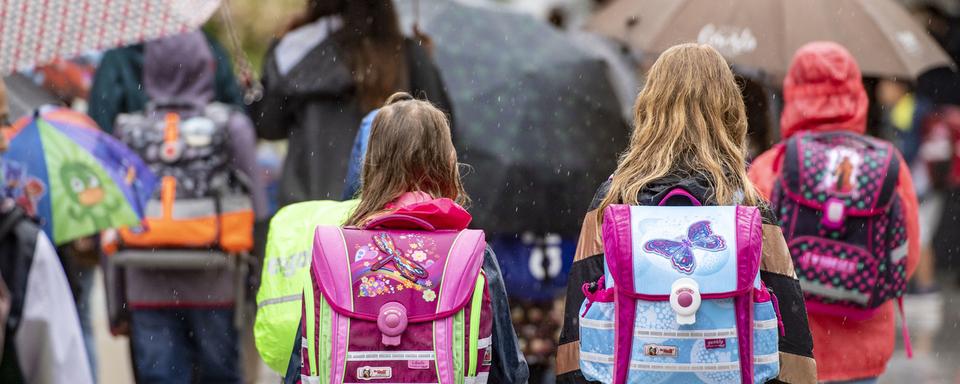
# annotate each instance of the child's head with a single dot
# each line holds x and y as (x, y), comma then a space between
(410, 150)
(689, 120)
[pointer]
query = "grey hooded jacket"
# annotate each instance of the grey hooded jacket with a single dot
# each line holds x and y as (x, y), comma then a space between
(182, 68)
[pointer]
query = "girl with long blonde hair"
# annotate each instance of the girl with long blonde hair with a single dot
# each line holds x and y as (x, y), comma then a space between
(690, 130)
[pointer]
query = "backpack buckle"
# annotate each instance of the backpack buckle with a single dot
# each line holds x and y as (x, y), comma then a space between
(685, 300)
(392, 321)
(834, 213)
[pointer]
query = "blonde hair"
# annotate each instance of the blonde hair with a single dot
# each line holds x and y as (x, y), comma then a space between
(410, 150)
(689, 120)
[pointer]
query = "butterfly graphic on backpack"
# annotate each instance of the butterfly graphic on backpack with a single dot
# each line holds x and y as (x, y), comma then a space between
(680, 253)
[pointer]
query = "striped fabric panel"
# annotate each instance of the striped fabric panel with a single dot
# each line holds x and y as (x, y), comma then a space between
(675, 367)
(641, 332)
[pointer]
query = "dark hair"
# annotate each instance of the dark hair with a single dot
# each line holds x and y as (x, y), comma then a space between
(374, 46)
(372, 42)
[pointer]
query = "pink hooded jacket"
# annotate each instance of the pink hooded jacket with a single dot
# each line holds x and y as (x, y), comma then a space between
(823, 92)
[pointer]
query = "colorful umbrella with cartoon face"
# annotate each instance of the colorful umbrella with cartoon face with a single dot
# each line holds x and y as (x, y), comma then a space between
(76, 179)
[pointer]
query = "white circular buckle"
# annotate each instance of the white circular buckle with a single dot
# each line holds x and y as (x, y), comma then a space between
(685, 300)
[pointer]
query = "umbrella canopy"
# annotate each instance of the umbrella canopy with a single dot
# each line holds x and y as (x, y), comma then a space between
(78, 180)
(24, 96)
(36, 32)
(536, 117)
(764, 34)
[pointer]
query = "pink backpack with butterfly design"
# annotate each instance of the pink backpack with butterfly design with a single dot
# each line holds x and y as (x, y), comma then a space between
(398, 301)
(681, 300)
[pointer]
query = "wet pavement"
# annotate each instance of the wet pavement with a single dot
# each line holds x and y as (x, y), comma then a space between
(935, 335)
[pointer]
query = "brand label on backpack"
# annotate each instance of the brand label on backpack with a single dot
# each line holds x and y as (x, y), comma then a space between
(418, 364)
(715, 343)
(660, 350)
(374, 373)
(815, 260)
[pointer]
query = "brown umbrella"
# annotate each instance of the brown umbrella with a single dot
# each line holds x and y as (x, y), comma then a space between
(764, 34)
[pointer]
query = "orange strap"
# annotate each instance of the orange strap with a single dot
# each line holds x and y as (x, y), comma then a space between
(168, 193)
(170, 130)
(168, 189)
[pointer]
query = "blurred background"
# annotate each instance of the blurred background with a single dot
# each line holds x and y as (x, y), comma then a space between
(536, 253)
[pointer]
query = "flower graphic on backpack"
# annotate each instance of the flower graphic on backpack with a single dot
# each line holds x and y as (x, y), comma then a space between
(680, 253)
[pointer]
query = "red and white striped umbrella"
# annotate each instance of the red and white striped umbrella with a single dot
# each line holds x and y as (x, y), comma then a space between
(35, 32)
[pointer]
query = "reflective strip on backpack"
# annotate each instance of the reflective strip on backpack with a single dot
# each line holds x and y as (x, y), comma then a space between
(278, 300)
(475, 308)
(391, 356)
(459, 334)
(677, 367)
(711, 334)
(899, 253)
(480, 378)
(484, 342)
(833, 292)
(325, 340)
(766, 324)
(185, 209)
(310, 324)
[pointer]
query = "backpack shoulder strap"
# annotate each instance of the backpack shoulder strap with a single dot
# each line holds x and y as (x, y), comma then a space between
(790, 165)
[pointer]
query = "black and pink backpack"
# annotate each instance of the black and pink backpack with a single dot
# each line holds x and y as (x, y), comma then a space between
(843, 221)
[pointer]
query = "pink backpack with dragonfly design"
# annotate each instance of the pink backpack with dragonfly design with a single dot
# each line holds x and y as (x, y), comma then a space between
(398, 301)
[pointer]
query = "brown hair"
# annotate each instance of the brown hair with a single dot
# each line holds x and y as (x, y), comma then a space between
(689, 119)
(410, 150)
(375, 50)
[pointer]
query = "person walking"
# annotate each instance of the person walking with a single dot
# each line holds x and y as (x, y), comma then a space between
(338, 62)
(411, 166)
(861, 184)
(40, 337)
(118, 83)
(182, 318)
(690, 133)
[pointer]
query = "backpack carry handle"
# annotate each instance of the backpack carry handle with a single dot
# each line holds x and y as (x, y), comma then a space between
(398, 221)
(682, 193)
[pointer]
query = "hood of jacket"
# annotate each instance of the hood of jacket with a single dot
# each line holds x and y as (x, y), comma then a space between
(823, 92)
(442, 213)
(698, 186)
(180, 68)
(321, 71)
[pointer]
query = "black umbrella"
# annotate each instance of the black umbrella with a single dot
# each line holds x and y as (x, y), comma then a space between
(536, 117)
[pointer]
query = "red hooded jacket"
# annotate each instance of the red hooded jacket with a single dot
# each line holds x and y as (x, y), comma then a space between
(823, 92)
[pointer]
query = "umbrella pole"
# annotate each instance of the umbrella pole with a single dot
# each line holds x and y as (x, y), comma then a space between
(253, 88)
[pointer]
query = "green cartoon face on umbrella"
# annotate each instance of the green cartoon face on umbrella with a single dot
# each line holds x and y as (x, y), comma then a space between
(89, 200)
(84, 183)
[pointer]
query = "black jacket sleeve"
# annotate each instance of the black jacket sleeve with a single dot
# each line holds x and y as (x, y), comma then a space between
(272, 113)
(295, 364)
